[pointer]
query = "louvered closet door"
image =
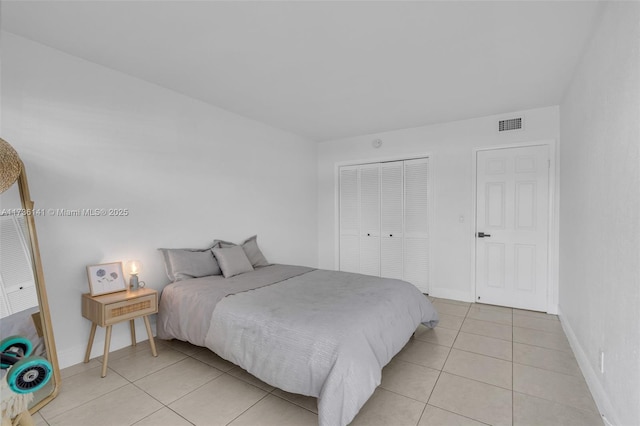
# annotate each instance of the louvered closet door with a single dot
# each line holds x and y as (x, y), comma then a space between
(349, 220)
(416, 229)
(391, 201)
(17, 274)
(369, 176)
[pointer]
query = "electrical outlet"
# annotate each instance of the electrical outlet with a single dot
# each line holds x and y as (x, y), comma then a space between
(601, 362)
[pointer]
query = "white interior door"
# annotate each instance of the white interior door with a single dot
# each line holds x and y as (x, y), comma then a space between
(369, 177)
(512, 227)
(349, 220)
(416, 223)
(391, 226)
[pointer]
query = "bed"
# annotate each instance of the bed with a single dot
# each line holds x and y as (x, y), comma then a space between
(319, 333)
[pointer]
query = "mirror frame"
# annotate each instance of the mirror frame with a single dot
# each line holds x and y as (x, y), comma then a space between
(43, 302)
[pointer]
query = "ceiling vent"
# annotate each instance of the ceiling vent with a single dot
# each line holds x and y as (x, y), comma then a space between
(510, 124)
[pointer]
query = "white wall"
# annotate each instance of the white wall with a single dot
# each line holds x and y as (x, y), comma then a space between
(450, 147)
(600, 213)
(188, 173)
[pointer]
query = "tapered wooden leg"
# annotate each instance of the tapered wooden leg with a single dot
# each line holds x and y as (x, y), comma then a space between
(90, 344)
(133, 332)
(107, 343)
(152, 342)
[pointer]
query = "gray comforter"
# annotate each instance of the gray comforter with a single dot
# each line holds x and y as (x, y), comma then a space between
(313, 332)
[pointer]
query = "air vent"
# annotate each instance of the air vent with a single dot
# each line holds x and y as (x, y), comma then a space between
(510, 124)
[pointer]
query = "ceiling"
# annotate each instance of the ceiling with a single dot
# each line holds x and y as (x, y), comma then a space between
(329, 69)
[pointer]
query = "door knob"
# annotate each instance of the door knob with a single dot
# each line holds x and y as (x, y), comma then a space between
(483, 235)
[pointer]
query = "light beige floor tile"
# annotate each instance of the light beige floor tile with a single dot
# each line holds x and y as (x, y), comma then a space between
(479, 401)
(81, 388)
(179, 345)
(479, 367)
(452, 322)
(534, 314)
(163, 417)
(547, 359)
(486, 328)
(214, 360)
(484, 345)
(308, 402)
(490, 315)
(143, 346)
(438, 335)
(218, 402)
(550, 326)
(434, 416)
(552, 386)
(386, 408)
(411, 380)
(177, 380)
(482, 307)
(425, 354)
(38, 420)
(541, 338)
(123, 406)
(65, 373)
(245, 376)
(140, 364)
(450, 309)
(452, 302)
(531, 411)
(273, 411)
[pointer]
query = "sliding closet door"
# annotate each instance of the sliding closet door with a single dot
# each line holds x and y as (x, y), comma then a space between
(391, 227)
(416, 229)
(349, 220)
(369, 176)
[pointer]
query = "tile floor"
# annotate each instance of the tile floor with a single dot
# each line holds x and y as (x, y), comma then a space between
(481, 365)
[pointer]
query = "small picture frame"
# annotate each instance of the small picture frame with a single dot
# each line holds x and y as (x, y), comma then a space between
(106, 278)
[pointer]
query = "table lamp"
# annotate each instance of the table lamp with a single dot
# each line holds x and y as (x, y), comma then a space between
(134, 267)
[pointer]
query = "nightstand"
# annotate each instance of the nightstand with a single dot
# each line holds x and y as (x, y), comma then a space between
(109, 309)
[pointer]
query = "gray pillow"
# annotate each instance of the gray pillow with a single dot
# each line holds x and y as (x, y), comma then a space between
(232, 260)
(251, 249)
(182, 264)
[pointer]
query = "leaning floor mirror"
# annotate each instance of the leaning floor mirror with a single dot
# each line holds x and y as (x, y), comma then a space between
(30, 373)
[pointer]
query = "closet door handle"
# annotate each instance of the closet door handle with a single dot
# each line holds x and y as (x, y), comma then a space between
(483, 235)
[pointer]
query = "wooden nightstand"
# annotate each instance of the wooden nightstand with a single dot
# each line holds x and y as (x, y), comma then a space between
(109, 309)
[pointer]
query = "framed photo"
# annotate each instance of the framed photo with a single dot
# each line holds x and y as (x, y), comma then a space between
(106, 278)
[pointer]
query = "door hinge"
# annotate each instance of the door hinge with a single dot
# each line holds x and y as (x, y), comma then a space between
(549, 163)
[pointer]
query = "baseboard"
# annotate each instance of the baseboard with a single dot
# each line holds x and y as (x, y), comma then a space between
(591, 376)
(446, 293)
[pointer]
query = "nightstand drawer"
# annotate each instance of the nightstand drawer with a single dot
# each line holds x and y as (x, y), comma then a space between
(120, 311)
(115, 307)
